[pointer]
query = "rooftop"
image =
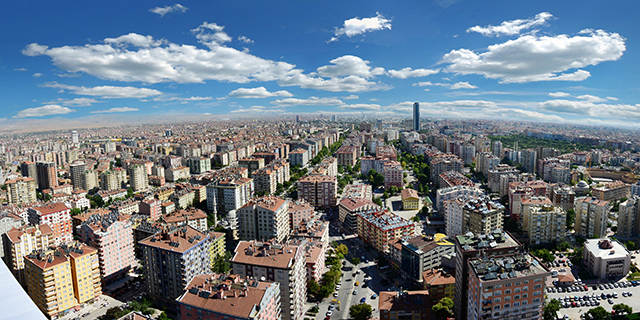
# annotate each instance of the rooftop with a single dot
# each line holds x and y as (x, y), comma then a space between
(177, 240)
(185, 214)
(606, 248)
(507, 267)
(228, 294)
(404, 301)
(384, 220)
(496, 240)
(265, 254)
(51, 208)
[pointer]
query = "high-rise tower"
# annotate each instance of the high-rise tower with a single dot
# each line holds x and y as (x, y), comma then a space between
(416, 116)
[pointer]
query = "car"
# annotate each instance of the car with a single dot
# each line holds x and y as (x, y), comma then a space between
(601, 287)
(629, 294)
(335, 294)
(332, 307)
(549, 290)
(355, 292)
(616, 285)
(357, 283)
(374, 296)
(624, 294)
(329, 313)
(610, 301)
(594, 287)
(615, 294)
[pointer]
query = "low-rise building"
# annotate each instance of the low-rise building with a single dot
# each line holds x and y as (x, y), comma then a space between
(415, 305)
(419, 254)
(410, 199)
(606, 258)
(441, 284)
(611, 191)
(193, 217)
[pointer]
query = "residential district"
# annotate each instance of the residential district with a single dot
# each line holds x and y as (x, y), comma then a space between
(321, 218)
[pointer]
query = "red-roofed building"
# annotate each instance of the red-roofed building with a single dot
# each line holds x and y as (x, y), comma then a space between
(55, 215)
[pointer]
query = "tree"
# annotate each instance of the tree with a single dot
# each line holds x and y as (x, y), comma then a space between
(163, 316)
(544, 254)
(313, 287)
(631, 245)
(550, 309)
(355, 260)
(563, 246)
(622, 308)
(75, 211)
(442, 309)
(360, 311)
(220, 264)
(598, 313)
(342, 249)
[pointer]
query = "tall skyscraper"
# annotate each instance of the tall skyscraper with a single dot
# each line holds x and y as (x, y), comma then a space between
(416, 116)
(74, 136)
(76, 170)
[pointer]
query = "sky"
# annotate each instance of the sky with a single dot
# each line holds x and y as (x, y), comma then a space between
(549, 61)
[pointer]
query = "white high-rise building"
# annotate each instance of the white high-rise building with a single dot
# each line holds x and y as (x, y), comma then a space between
(74, 137)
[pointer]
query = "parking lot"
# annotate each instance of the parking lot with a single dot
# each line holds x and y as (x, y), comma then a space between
(578, 299)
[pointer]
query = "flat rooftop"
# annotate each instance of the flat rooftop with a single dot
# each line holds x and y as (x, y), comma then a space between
(494, 240)
(507, 267)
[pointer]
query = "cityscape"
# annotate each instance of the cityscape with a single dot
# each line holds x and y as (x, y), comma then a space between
(373, 161)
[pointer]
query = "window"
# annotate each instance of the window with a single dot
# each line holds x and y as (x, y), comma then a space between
(525, 282)
(507, 298)
(517, 303)
(536, 300)
(508, 284)
(496, 300)
(516, 290)
(516, 297)
(524, 296)
(508, 291)
(497, 292)
(506, 305)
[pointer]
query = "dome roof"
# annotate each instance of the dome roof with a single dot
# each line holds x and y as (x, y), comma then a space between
(583, 184)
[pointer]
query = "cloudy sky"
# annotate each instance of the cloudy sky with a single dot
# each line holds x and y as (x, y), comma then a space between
(573, 61)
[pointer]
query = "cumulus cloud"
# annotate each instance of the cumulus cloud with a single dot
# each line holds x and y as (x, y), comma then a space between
(591, 98)
(134, 57)
(588, 108)
(360, 106)
(256, 109)
(559, 94)
(349, 65)
(455, 86)
(259, 92)
(76, 102)
(412, 73)
(47, 110)
(311, 101)
(37, 75)
(539, 58)
(114, 110)
(244, 39)
(351, 97)
(512, 27)
(107, 92)
(169, 9)
(356, 26)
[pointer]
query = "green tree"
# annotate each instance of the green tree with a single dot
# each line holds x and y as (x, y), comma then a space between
(631, 245)
(550, 309)
(598, 313)
(355, 260)
(313, 287)
(563, 246)
(342, 249)
(622, 308)
(360, 311)
(443, 309)
(544, 255)
(163, 316)
(75, 211)
(220, 264)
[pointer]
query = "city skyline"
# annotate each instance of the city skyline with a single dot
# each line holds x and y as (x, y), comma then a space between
(186, 60)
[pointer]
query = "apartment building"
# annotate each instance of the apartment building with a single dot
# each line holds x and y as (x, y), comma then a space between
(453, 178)
(442, 163)
(629, 218)
(469, 246)
(357, 190)
(379, 228)
(284, 264)
(126, 207)
(485, 162)
(450, 193)
(611, 191)
(299, 157)
(226, 195)
(419, 254)
(403, 305)
(393, 174)
(174, 174)
(172, 258)
(300, 211)
(90, 180)
(62, 278)
(266, 180)
(193, 217)
(55, 215)
(544, 224)
(21, 190)
(151, 208)
(47, 174)
(495, 175)
(347, 155)
(482, 215)
(506, 287)
(318, 190)
(591, 217)
(75, 171)
(348, 209)
(112, 235)
(440, 284)
(21, 241)
(221, 296)
(563, 196)
(199, 165)
(138, 178)
(264, 218)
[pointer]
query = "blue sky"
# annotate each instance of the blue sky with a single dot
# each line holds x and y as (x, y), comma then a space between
(557, 61)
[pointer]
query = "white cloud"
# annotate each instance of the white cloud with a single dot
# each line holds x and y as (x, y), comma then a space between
(114, 110)
(183, 99)
(20, 69)
(211, 39)
(539, 58)
(107, 92)
(244, 39)
(48, 110)
(356, 26)
(349, 65)
(588, 108)
(612, 98)
(462, 85)
(360, 106)
(591, 98)
(141, 58)
(76, 102)
(412, 73)
(351, 97)
(559, 94)
(169, 9)
(256, 109)
(311, 101)
(512, 27)
(455, 86)
(37, 75)
(259, 92)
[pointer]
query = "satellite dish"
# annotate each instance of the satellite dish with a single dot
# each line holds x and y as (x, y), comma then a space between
(262, 279)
